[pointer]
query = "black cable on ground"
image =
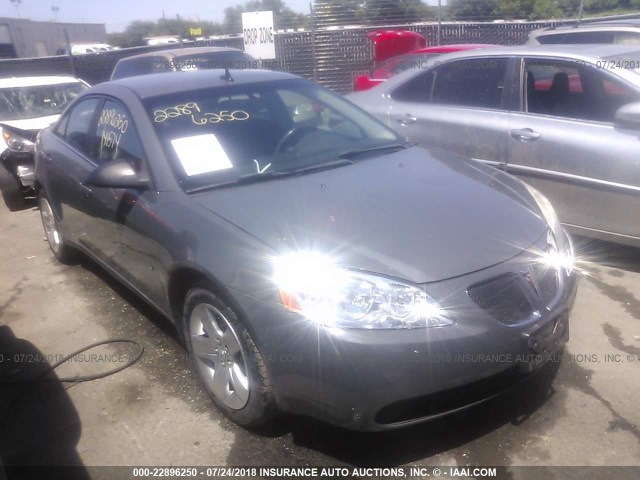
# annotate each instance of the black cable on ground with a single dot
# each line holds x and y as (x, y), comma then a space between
(83, 378)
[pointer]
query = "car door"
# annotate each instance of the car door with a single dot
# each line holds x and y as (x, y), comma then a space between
(125, 231)
(458, 106)
(565, 143)
(67, 166)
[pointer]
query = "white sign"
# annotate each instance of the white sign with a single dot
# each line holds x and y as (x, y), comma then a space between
(201, 154)
(257, 29)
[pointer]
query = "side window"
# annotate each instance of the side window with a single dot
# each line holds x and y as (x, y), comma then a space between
(80, 119)
(627, 38)
(116, 137)
(477, 82)
(418, 89)
(577, 38)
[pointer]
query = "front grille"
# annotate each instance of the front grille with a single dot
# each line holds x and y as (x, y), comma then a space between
(504, 298)
(513, 298)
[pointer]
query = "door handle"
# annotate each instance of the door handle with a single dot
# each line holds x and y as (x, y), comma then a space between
(525, 134)
(85, 191)
(408, 119)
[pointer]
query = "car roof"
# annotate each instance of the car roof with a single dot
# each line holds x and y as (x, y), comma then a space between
(629, 22)
(578, 51)
(178, 52)
(13, 82)
(456, 47)
(145, 86)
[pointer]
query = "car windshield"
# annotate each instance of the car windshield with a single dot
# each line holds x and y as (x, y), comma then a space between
(219, 134)
(20, 103)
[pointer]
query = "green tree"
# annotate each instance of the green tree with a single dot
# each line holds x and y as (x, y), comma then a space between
(135, 32)
(529, 9)
(394, 11)
(473, 9)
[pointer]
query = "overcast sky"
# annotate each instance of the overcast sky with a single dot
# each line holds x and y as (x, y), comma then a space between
(117, 14)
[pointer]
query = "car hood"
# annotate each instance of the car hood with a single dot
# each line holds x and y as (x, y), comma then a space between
(37, 123)
(413, 215)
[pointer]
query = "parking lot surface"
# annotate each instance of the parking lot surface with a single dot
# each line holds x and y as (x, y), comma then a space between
(583, 413)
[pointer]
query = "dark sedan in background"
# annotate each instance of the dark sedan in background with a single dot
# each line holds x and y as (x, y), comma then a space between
(315, 264)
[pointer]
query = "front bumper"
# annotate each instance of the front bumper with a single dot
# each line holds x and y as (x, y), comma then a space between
(383, 379)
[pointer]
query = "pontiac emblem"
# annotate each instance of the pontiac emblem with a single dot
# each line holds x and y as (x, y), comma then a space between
(531, 279)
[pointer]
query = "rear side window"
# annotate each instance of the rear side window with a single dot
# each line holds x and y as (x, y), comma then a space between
(477, 82)
(77, 133)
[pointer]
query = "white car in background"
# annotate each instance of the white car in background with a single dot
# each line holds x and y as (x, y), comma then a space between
(27, 105)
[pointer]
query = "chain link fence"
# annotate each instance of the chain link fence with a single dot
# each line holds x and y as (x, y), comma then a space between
(332, 48)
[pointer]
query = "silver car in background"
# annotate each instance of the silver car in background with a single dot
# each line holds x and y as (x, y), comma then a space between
(566, 119)
(621, 32)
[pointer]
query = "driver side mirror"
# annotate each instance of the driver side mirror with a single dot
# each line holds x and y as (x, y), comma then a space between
(117, 174)
(628, 115)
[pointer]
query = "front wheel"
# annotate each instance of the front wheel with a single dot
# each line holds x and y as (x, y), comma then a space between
(226, 359)
(63, 252)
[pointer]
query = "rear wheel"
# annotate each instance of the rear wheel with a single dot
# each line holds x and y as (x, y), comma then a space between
(226, 359)
(63, 252)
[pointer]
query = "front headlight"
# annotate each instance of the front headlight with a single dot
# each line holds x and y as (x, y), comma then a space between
(16, 143)
(312, 284)
(548, 212)
(559, 253)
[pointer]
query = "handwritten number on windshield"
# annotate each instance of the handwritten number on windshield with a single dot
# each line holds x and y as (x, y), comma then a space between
(189, 108)
(221, 116)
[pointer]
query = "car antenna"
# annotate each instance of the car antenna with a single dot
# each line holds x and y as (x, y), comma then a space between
(227, 75)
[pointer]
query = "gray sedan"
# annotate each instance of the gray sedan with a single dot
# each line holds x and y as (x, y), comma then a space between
(313, 263)
(566, 119)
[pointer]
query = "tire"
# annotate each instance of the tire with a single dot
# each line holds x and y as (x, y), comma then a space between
(63, 252)
(226, 359)
(11, 191)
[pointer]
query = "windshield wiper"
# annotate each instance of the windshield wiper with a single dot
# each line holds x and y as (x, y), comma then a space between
(268, 175)
(241, 180)
(378, 148)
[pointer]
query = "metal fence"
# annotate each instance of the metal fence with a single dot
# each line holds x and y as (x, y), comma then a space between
(328, 52)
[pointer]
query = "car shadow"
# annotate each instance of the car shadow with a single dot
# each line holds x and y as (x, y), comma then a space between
(39, 425)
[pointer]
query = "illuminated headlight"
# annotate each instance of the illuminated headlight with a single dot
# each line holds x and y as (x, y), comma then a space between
(314, 286)
(16, 143)
(559, 252)
(557, 258)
